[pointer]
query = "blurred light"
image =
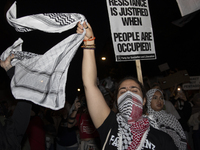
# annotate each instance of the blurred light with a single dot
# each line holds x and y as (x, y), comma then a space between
(103, 58)
(78, 90)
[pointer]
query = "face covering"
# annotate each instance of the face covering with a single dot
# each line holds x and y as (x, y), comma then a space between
(130, 106)
(132, 126)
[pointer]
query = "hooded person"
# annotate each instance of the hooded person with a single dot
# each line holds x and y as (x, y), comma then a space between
(162, 120)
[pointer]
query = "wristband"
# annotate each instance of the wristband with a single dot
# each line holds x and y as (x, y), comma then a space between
(90, 39)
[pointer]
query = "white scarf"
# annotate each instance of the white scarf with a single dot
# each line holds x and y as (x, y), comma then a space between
(42, 78)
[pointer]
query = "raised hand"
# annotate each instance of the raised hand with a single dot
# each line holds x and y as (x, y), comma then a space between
(77, 104)
(89, 33)
(7, 63)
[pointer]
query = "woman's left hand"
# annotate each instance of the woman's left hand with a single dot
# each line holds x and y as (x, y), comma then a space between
(89, 33)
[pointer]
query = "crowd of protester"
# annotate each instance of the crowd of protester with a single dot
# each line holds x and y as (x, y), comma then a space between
(48, 129)
(73, 127)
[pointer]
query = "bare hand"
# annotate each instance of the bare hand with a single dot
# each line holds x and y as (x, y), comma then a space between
(7, 63)
(77, 104)
(89, 33)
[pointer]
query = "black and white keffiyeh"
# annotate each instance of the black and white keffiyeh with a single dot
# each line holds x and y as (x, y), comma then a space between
(166, 122)
(133, 128)
(42, 78)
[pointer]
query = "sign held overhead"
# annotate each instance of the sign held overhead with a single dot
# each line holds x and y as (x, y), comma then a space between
(131, 30)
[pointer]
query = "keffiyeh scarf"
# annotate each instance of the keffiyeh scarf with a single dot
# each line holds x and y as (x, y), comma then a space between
(166, 122)
(133, 127)
(42, 78)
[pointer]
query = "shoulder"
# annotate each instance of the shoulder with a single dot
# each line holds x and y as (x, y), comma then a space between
(110, 124)
(111, 119)
(108, 131)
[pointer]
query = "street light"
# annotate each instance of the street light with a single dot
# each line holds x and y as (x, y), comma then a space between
(103, 58)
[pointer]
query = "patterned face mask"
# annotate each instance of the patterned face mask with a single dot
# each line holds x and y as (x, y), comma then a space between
(130, 106)
(133, 127)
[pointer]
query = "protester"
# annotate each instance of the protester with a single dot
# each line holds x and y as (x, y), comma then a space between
(12, 132)
(168, 107)
(127, 129)
(35, 131)
(184, 108)
(80, 117)
(66, 138)
(50, 128)
(163, 121)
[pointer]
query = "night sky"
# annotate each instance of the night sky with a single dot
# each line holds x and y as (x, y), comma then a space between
(177, 46)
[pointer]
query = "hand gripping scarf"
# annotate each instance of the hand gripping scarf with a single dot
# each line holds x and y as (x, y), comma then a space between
(42, 78)
(166, 122)
(133, 127)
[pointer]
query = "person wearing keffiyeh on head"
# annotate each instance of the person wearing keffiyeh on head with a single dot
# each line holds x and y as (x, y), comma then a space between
(163, 121)
(128, 129)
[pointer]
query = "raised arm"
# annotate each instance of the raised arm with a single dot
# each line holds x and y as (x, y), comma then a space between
(15, 126)
(72, 115)
(97, 105)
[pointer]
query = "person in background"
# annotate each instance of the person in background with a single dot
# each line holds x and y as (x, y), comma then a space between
(163, 121)
(12, 132)
(168, 107)
(50, 128)
(128, 129)
(80, 117)
(184, 109)
(66, 138)
(35, 131)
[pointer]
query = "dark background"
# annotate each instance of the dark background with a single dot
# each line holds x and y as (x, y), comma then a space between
(176, 44)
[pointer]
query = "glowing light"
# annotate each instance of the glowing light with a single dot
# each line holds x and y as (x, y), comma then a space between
(78, 90)
(103, 58)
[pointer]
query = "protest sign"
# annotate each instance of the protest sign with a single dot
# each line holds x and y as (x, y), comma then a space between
(163, 67)
(131, 30)
(193, 85)
(173, 79)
